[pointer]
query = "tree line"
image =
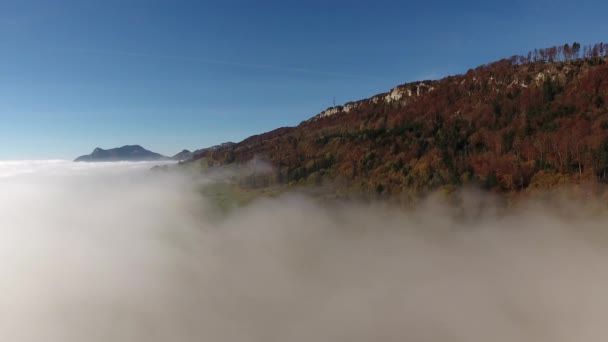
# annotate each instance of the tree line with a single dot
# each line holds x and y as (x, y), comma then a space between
(562, 53)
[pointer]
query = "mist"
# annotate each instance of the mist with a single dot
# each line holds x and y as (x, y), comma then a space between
(114, 252)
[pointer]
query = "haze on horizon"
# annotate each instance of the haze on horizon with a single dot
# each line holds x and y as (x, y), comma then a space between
(76, 75)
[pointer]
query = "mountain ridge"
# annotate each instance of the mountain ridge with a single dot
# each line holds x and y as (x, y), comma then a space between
(123, 153)
(520, 123)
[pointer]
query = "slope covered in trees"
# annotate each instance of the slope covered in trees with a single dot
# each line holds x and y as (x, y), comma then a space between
(533, 121)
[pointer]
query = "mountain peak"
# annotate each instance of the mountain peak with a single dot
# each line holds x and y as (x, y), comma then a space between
(124, 153)
(183, 155)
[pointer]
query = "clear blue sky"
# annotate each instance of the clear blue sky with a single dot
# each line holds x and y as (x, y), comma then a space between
(168, 75)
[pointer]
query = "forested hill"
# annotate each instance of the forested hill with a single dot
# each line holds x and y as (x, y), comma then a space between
(533, 121)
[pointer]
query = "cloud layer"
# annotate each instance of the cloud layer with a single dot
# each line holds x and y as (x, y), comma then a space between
(112, 252)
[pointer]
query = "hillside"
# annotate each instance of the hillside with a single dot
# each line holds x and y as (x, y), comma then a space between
(534, 121)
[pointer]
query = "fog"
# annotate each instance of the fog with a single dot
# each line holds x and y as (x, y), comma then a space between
(114, 252)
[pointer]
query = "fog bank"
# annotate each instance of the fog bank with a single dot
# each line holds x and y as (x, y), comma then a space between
(113, 252)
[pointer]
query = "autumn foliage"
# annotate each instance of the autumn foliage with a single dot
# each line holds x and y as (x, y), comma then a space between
(533, 121)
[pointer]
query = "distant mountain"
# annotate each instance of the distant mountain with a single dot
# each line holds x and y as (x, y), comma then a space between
(203, 151)
(125, 153)
(183, 155)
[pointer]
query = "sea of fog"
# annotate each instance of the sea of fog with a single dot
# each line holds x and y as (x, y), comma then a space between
(114, 252)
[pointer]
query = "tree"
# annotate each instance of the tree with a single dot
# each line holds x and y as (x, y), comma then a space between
(603, 158)
(576, 47)
(567, 52)
(543, 55)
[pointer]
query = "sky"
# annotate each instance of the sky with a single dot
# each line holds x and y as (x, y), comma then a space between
(173, 75)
